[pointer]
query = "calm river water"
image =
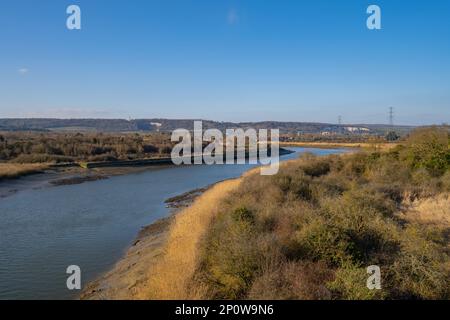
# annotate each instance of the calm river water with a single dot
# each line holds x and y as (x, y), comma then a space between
(43, 230)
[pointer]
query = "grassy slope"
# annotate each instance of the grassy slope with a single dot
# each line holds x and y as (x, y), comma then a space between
(171, 275)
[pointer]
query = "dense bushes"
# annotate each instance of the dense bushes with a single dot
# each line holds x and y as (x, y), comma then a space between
(311, 231)
(429, 149)
(34, 147)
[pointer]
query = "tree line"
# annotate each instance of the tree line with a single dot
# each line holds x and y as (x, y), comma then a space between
(37, 147)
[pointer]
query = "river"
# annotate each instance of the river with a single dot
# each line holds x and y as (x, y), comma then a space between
(43, 230)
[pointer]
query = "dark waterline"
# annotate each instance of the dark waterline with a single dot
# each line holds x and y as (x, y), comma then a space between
(42, 231)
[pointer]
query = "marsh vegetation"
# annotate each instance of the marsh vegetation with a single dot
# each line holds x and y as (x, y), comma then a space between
(22, 153)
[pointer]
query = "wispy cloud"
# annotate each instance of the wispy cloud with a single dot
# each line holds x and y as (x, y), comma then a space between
(232, 17)
(23, 71)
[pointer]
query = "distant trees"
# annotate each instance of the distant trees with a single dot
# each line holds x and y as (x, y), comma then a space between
(32, 147)
(334, 138)
(392, 136)
(148, 148)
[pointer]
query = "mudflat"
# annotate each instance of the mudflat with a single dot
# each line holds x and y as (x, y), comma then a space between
(130, 276)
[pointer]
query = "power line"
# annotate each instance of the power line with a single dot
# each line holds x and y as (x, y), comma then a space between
(391, 116)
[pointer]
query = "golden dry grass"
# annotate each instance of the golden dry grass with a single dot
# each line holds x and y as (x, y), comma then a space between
(14, 170)
(170, 277)
(328, 145)
(434, 210)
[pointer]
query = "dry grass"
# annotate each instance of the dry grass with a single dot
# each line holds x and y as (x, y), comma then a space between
(170, 277)
(434, 210)
(13, 170)
(328, 145)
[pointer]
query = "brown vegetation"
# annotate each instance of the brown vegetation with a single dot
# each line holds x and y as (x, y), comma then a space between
(13, 170)
(181, 255)
(434, 211)
(39, 147)
(334, 144)
(310, 231)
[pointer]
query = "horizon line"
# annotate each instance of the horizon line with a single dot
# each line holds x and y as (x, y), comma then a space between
(221, 121)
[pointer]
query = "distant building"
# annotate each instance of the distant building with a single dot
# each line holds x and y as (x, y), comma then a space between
(357, 129)
(157, 125)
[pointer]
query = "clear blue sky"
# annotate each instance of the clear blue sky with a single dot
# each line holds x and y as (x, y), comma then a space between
(226, 60)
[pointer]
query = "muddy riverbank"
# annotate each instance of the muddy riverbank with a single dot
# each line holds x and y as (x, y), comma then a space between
(128, 278)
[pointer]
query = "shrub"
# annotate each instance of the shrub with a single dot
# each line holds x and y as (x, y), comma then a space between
(296, 185)
(421, 270)
(350, 284)
(310, 231)
(320, 240)
(386, 169)
(445, 181)
(293, 280)
(428, 148)
(355, 166)
(231, 256)
(316, 168)
(330, 185)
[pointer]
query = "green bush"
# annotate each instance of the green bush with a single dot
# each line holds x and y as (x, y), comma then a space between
(316, 168)
(351, 284)
(232, 258)
(428, 148)
(421, 269)
(321, 241)
(295, 184)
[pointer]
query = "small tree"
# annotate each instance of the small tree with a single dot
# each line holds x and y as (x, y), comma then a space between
(392, 136)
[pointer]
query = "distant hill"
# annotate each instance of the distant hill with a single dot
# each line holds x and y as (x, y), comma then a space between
(167, 125)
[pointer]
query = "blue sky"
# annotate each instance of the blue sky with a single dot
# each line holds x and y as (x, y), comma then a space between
(246, 60)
